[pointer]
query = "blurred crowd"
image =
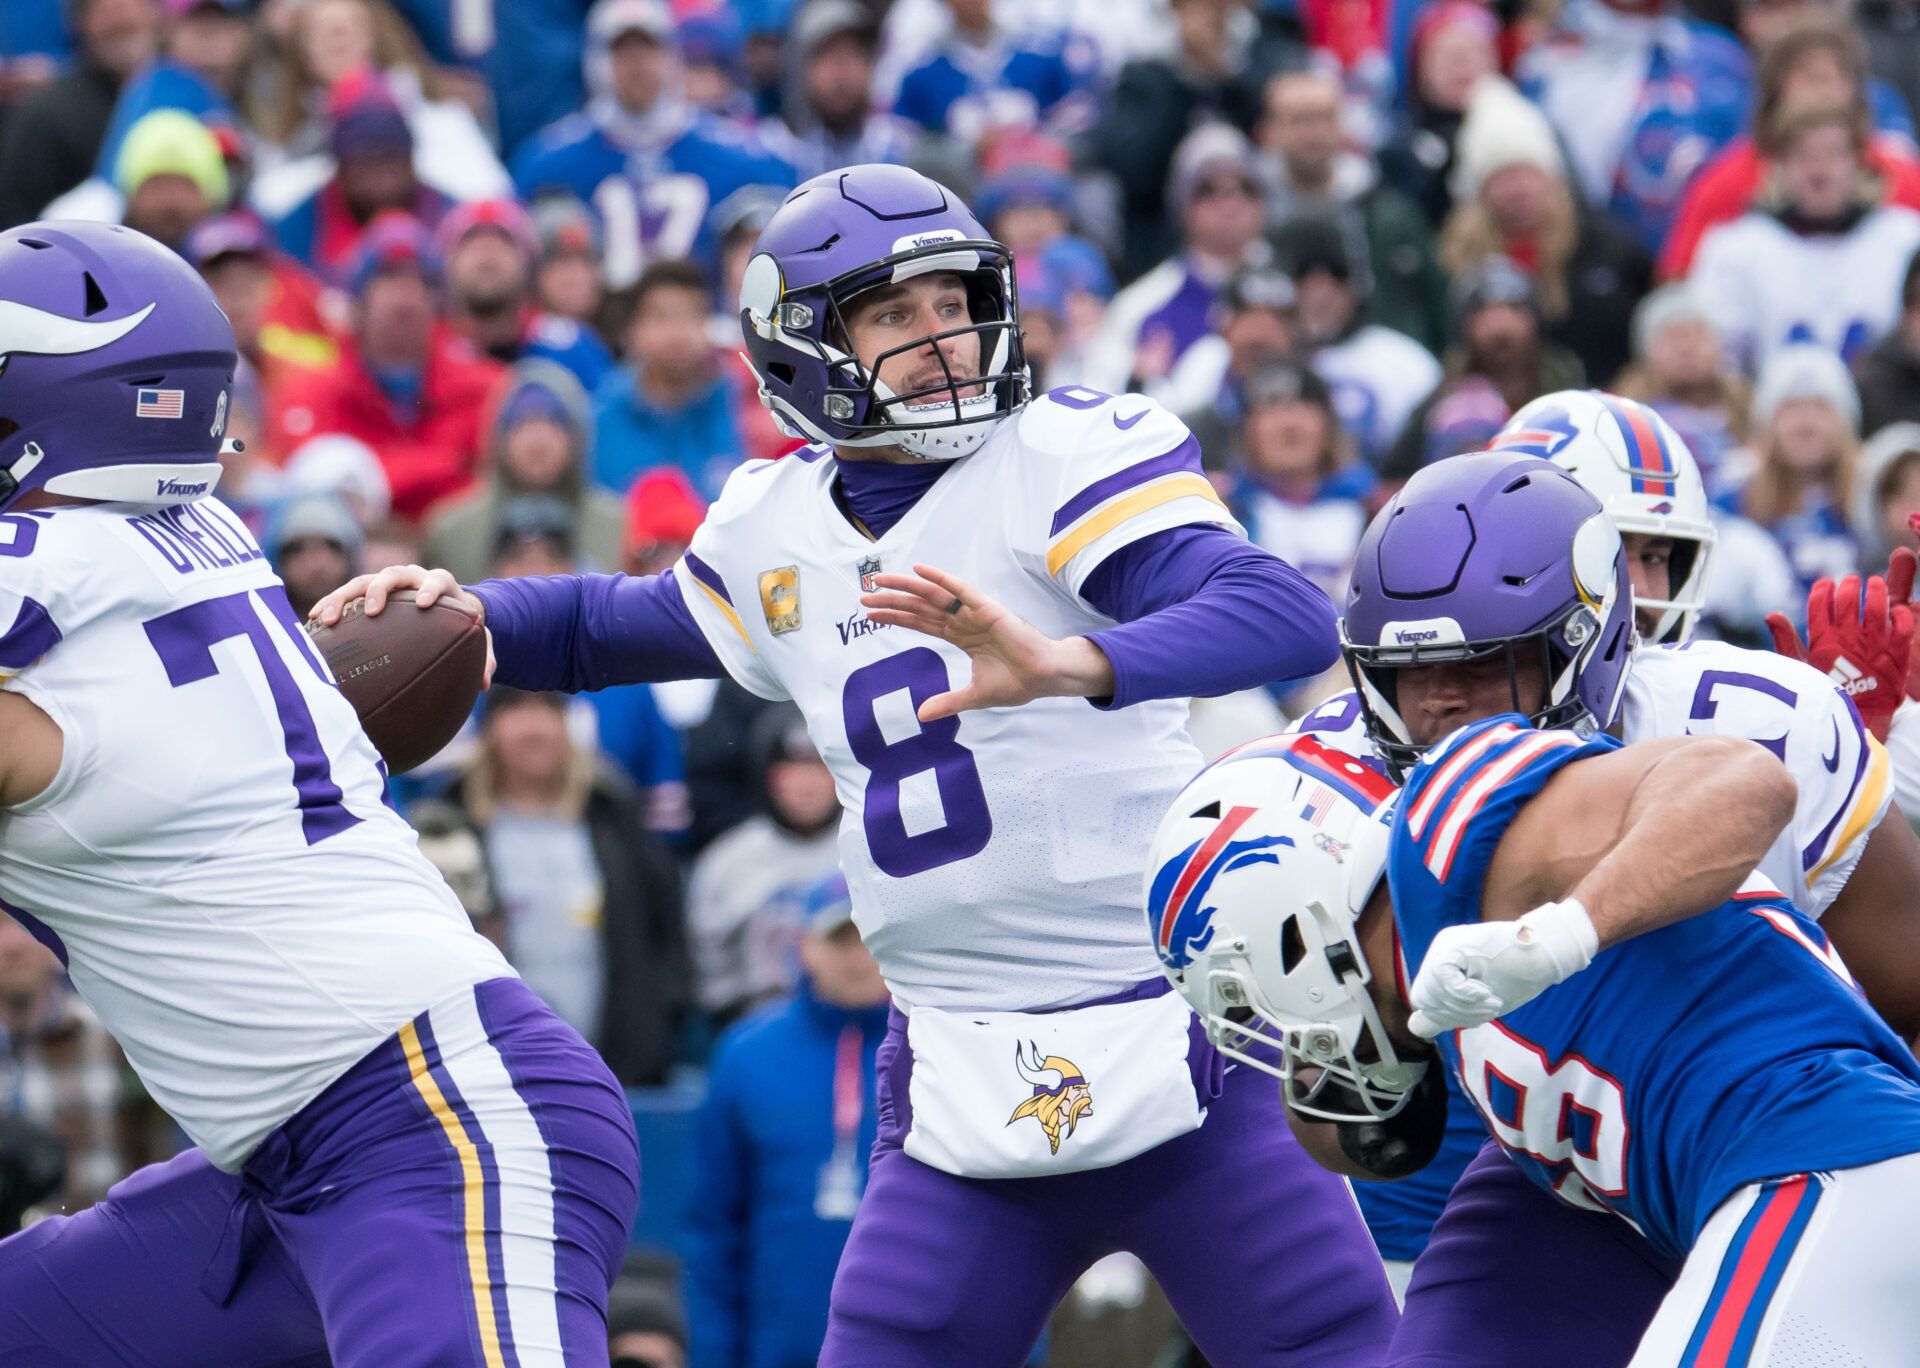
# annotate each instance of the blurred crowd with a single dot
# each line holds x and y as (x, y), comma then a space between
(482, 259)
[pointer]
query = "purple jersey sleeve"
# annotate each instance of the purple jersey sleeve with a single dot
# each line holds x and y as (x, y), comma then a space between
(575, 633)
(1204, 612)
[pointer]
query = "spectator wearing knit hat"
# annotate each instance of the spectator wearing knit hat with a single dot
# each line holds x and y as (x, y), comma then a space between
(1800, 470)
(1821, 255)
(488, 250)
(372, 150)
(1681, 371)
(1217, 71)
(53, 138)
(1301, 492)
(314, 546)
(1500, 363)
(283, 317)
(171, 176)
(1512, 199)
(638, 152)
(406, 384)
(542, 425)
(1377, 375)
(1313, 170)
(1218, 196)
(827, 115)
(1256, 324)
(1454, 43)
(567, 280)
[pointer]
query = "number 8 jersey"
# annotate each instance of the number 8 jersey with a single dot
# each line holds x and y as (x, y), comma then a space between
(995, 858)
(1680, 1065)
(213, 860)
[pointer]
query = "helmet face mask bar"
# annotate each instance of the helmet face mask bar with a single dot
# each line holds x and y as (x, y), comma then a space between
(1485, 556)
(1375, 673)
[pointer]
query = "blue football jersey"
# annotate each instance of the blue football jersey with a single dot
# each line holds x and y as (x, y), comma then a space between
(1680, 1065)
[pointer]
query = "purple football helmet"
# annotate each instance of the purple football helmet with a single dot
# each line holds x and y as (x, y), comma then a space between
(115, 367)
(1484, 556)
(847, 232)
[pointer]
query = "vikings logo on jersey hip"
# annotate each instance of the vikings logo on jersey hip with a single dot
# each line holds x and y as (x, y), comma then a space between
(1061, 1095)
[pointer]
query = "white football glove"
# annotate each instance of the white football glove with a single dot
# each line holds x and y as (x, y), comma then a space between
(1472, 974)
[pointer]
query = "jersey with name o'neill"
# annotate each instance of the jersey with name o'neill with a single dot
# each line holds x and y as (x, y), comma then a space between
(214, 859)
(995, 858)
(1682, 1064)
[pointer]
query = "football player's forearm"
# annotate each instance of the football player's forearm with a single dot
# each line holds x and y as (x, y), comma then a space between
(1699, 821)
(574, 633)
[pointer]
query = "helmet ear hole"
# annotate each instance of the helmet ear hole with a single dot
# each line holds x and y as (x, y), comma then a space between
(781, 371)
(1293, 946)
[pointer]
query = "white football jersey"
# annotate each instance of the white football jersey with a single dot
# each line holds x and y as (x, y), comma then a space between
(214, 859)
(1708, 688)
(995, 858)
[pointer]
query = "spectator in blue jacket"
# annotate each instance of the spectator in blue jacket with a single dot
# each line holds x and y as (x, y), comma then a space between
(785, 1132)
(671, 404)
(649, 162)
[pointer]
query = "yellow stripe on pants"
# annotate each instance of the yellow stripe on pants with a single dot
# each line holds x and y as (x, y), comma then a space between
(474, 1184)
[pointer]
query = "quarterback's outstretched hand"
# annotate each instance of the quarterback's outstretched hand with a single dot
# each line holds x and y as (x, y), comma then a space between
(1483, 970)
(1013, 661)
(1863, 643)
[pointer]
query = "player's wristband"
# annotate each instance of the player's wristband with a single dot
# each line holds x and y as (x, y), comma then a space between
(1563, 933)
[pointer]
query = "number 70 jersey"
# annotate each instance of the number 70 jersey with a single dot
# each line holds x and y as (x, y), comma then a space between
(213, 859)
(995, 858)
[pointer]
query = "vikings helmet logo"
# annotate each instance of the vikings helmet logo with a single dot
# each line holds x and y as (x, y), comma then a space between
(1060, 1094)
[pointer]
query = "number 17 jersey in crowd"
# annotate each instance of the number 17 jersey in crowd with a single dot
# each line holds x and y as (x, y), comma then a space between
(995, 858)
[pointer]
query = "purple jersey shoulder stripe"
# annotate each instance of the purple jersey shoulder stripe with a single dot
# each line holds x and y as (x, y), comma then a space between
(1811, 855)
(708, 576)
(1183, 459)
(31, 636)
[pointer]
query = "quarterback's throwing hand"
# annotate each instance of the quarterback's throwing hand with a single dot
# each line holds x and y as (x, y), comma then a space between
(1472, 974)
(1013, 661)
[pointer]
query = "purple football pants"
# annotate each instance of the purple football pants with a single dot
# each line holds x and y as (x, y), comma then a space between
(1260, 1250)
(461, 1196)
(1513, 1278)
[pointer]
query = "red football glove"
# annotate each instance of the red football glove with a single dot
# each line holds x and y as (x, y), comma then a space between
(1866, 649)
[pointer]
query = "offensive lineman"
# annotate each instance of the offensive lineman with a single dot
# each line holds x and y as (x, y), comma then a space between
(404, 1158)
(1418, 688)
(994, 827)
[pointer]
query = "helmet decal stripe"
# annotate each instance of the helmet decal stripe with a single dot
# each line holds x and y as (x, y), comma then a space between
(1365, 788)
(1204, 855)
(36, 332)
(1648, 461)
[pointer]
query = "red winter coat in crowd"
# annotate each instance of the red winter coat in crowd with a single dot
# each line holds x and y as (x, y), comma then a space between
(428, 453)
(1726, 187)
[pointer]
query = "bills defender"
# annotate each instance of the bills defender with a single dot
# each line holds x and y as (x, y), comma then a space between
(402, 1157)
(1836, 857)
(991, 611)
(1634, 1064)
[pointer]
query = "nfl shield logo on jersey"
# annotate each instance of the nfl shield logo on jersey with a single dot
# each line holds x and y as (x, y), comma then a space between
(780, 598)
(868, 570)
